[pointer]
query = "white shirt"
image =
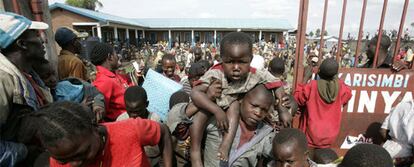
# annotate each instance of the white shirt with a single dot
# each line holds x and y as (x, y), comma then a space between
(258, 62)
(400, 123)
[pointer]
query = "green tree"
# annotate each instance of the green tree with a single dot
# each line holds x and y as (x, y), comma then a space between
(311, 34)
(87, 4)
(318, 32)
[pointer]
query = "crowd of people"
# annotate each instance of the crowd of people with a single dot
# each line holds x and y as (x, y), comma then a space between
(235, 108)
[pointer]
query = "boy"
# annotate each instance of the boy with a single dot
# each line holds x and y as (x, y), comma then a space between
(366, 155)
(290, 149)
(136, 104)
(231, 80)
(322, 100)
(71, 89)
(73, 140)
(277, 69)
(195, 71)
(324, 156)
(253, 136)
(179, 120)
(168, 67)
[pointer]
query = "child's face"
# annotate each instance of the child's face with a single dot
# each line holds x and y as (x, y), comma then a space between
(136, 109)
(168, 67)
(48, 75)
(77, 150)
(289, 154)
(254, 108)
(236, 62)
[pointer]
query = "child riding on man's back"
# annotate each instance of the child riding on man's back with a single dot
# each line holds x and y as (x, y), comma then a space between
(230, 80)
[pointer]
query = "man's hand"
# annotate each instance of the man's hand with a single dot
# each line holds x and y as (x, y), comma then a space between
(398, 66)
(222, 121)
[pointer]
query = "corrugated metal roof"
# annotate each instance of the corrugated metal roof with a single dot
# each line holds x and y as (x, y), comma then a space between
(99, 16)
(181, 23)
(280, 24)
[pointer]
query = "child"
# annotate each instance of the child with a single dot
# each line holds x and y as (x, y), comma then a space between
(72, 139)
(136, 104)
(72, 89)
(179, 120)
(322, 100)
(290, 149)
(195, 71)
(366, 155)
(168, 67)
(324, 156)
(277, 69)
(232, 79)
(253, 136)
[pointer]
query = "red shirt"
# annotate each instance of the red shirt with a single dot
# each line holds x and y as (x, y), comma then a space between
(321, 121)
(124, 146)
(113, 87)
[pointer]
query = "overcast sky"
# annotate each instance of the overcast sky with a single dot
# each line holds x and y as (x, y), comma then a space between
(286, 9)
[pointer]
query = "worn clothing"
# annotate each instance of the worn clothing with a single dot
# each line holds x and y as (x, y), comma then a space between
(320, 121)
(258, 62)
(69, 65)
(124, 144)
(113, 87)
(153, 152)
(328, 89)
(245, 155)
(186, 85)
(175, 78)
(311, 164)
(175, 116)
(17, 97)
(232, 91)
(400, 123)
(74, 89)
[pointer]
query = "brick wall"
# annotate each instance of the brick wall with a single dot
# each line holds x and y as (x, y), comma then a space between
(65, 18)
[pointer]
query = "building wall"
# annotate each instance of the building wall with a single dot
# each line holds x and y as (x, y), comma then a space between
(65, 18)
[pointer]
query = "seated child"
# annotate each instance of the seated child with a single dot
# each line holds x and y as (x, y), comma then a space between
(231, 80)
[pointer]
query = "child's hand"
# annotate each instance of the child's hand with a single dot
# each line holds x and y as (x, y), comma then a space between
(285, 118)
(182, 131)
(99, 113)
(214, 90)
(222, 121)
(286, 102)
